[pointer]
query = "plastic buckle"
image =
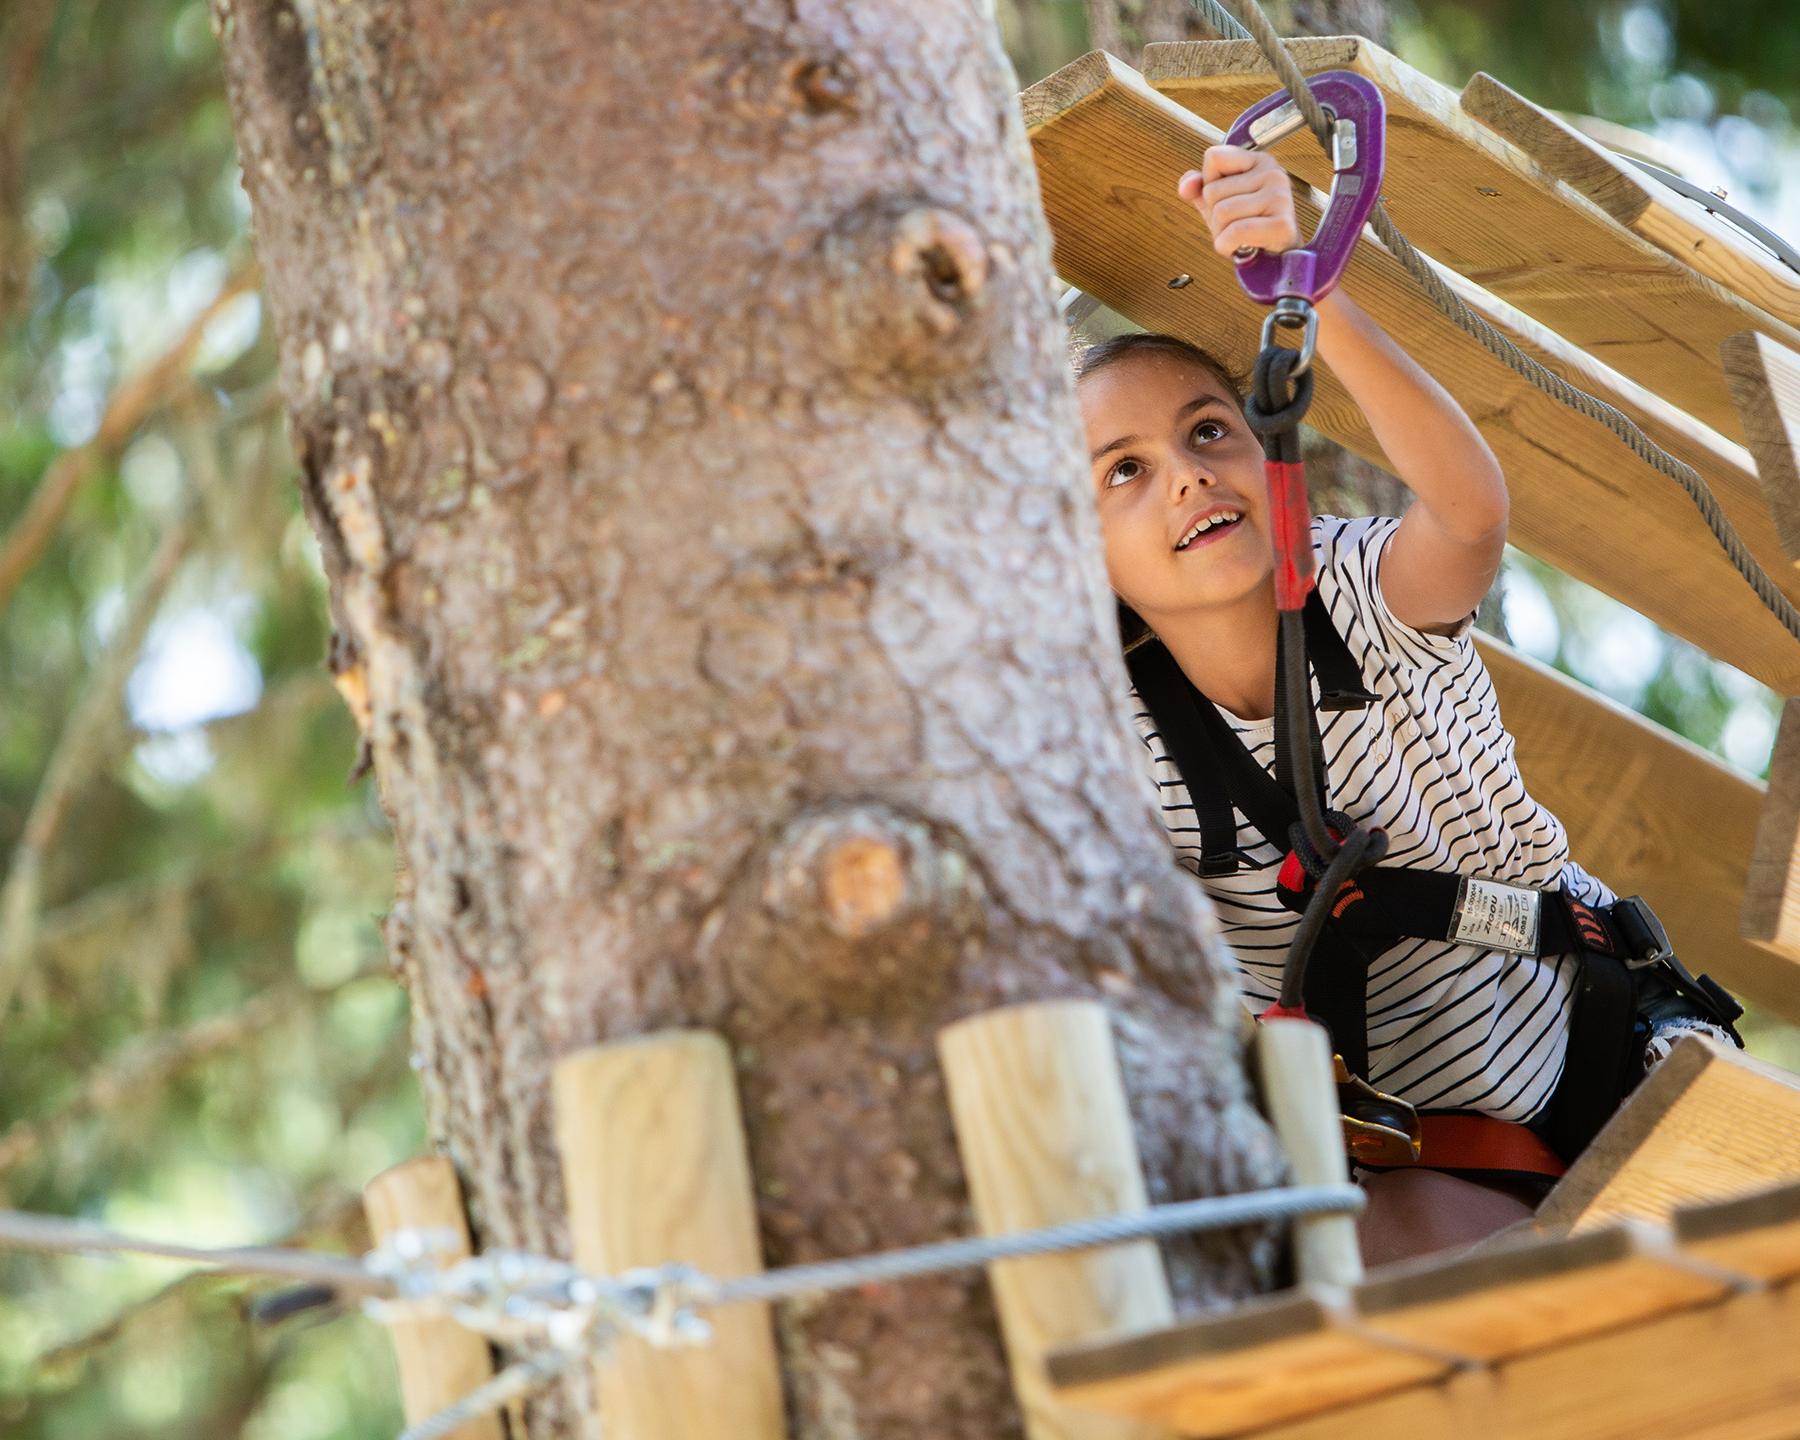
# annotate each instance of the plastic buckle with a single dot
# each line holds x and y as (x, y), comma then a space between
(1643, 932)
(1358, 136)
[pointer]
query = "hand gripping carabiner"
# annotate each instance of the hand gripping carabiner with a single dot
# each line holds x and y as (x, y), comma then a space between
(1295, 281)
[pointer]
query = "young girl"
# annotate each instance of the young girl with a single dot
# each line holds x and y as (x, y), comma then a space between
(1451, 1027)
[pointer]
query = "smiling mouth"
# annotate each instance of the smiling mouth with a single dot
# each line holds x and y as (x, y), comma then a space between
(1213, 527)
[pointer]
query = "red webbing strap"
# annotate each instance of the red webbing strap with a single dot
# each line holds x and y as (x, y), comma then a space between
(1290, 532)
(1479, 1142)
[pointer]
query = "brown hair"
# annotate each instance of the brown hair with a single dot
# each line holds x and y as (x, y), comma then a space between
(1115, 348)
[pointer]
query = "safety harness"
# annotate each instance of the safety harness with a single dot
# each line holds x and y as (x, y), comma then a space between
(1627, 974)
(1351, 907)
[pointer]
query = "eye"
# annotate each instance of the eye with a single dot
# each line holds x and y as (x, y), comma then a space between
(1124, 473)
(1208, 431)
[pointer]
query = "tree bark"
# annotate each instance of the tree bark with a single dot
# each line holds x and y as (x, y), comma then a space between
(680, 410)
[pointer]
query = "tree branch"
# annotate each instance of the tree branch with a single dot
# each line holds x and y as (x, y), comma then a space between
(156, 1060)
(337, 1216)
(31, 533)
(77, 752)
(23, 40)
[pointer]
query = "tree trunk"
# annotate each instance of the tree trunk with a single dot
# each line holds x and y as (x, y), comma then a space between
(680, 410)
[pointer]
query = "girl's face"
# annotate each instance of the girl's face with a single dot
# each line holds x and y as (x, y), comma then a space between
(1178, 478)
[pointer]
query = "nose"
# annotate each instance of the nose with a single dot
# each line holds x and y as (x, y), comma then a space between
(1184, 480)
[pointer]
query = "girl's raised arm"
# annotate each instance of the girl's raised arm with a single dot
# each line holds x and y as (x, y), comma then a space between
(1444, 556)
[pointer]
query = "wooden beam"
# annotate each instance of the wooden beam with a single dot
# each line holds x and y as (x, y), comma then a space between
(1046, 1137)
(1674, 225)
(1757, 1235)
(1109, 150)
(1707, 1124)
(1263, 1363)
(1652, 815)
(1728, 1371)
(1506, 1302)
(1484, 208)
(1770, 915)
(1765, 386)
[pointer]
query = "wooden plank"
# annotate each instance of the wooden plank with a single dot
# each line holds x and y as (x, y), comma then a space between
(1046, 1137)
(1533, 1296)
(1108, 151)
(1659, 818)
(439, 1360)
(1764, 378)
(1758, 1235)
(1707, 1124)
(1263, 1363)
(1674, 225)
(655, 1171)
(1770, 915)
(1729, 1371)
(1484, 208)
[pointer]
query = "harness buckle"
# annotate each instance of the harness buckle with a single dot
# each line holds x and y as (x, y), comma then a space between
(1642, 932)
(1379, 1129)
(1358, 131)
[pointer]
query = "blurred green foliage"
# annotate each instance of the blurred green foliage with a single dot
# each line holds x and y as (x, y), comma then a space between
(212, 851)
(206, 858)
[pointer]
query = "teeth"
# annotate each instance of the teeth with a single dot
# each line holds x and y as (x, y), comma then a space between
(1224, 517)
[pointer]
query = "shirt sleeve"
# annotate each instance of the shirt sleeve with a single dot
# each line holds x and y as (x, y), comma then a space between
(1349, 554)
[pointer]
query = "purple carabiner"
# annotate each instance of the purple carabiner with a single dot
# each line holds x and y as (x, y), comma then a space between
(1359, 132)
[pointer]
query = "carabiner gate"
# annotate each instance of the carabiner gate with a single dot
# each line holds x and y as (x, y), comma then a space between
(1358, 132)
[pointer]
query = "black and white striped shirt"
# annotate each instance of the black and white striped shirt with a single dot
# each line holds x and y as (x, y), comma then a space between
(1449, 1026)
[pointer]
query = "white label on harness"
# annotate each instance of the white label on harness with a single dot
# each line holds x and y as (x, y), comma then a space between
(1496, 916)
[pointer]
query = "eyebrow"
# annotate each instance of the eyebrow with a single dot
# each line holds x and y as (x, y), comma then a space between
(1204, 402)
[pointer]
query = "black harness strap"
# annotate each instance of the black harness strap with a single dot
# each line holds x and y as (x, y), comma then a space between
(1182, 717)
(1220, 771)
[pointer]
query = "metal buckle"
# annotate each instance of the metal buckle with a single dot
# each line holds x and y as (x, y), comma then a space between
(1358, 132)
(1379, 1129)
(1293, 313)
(1643, 932)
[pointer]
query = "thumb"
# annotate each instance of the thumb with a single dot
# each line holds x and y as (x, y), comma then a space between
(1189, 186)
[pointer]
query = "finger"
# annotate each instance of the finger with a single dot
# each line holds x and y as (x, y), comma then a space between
(1231, 160)
(1258, 234)
(1189, 185)
(1226, 186)
(1254, 206)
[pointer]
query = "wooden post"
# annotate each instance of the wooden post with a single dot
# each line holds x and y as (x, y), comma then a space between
(1294, 1061)
(1046, 1138)
(1765, 386)
(655, 1171)
(1771, 913)
(440, 1361)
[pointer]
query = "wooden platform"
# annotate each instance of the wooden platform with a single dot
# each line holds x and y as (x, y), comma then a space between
(1708, 1124)
(1682, 1329)
(1678, 1231)
(1109, 149)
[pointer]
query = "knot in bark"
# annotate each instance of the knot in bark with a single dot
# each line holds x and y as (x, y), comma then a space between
(825, 86)
(906, 291)
(860, 870)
